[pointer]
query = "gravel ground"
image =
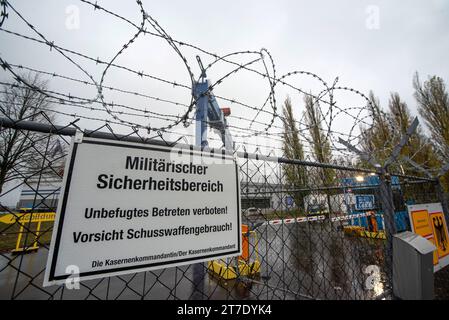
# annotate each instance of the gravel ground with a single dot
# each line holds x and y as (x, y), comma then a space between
(442, 284)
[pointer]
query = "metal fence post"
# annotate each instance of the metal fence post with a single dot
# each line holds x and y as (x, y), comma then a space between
(443, 198)
(321, 262)
(386, 198)
(200, 89)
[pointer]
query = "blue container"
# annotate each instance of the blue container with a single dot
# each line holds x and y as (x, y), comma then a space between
(401, 220)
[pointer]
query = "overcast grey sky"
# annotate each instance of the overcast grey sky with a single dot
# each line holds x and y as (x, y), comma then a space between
(369, 45)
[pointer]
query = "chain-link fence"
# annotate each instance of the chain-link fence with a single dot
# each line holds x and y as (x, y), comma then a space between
(318, 219)
(304, 241)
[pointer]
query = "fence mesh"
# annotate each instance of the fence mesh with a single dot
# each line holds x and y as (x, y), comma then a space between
(304, 237)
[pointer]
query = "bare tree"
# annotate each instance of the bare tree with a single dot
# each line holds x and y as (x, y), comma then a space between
(433, 106)
(21, 151)
(418, 147)
(320, 144)
(321, 147)
(295, 175)
(387, 130)
(377, 140)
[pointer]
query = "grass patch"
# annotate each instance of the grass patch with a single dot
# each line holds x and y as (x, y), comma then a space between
(284, 214)
(10, 232)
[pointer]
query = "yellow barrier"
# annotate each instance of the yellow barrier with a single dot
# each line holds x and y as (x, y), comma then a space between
(220, 269)
(25, 217)
(361, 232)
(373, 235)
(245, 268)
(22, 218)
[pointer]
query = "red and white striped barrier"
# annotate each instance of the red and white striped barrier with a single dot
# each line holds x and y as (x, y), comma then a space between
(351, 216)
(314, 218)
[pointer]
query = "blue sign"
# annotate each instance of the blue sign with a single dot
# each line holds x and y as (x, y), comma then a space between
(368, 181)
(289, 201)
(364, 202)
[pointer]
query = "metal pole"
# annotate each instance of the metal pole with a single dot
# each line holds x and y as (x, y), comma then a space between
(386, 198)
(440, 191)
(201, 113)
(200, 92)
(443, 198)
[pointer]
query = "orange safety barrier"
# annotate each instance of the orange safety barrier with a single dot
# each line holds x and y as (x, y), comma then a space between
(373, 219)
(244, 267)
(245, 243)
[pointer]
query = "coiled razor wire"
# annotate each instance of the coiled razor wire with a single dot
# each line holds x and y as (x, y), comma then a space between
(328, 109)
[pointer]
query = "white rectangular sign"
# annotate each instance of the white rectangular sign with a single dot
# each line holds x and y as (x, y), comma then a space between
(130, 207)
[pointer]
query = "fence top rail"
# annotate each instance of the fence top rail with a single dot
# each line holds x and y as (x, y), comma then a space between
(70, 130)
(287, 189)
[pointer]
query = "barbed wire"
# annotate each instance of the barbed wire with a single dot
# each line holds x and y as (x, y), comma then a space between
(91, 97)
(146, 112)
(303, 127)
(3, 13)
(359, 115)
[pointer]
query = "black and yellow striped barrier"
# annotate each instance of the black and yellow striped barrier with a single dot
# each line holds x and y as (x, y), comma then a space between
(22, 219)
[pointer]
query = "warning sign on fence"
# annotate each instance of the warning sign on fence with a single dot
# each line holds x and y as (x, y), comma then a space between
(364, 202)
(131, 207)
(440, 231)
(428, 221)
